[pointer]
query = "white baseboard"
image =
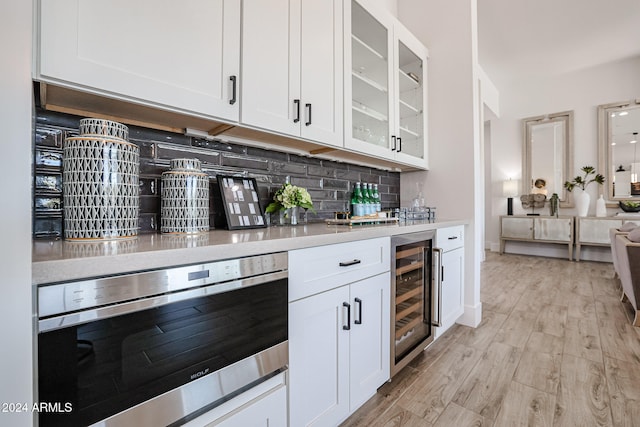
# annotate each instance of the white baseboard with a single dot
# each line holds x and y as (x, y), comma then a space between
(472, 315)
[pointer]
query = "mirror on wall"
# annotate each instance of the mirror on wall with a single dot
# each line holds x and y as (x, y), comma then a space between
(618, 152)
(547, 160)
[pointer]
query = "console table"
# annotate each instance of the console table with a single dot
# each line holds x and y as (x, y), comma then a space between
(542, 229)
(594, 231)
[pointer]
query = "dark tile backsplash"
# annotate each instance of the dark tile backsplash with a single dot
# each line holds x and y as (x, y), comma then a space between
(329, 183)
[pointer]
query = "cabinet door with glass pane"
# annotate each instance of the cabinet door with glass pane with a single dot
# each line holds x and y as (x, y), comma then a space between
(368, 80)
(385, 87)
(409, 141)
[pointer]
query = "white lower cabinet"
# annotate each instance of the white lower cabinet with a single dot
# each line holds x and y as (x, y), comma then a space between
(264, 405)
(451, 241)
(338, 338)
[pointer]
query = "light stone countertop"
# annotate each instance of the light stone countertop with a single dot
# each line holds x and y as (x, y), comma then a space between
(59, 261)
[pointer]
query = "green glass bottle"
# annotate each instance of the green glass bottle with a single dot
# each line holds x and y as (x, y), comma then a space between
(356, 201)
(376, 199)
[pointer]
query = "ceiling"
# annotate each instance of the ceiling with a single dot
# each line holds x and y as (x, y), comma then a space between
(525, 38)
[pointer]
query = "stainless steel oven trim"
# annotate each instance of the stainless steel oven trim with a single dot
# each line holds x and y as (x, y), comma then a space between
(75, 296)
(99, 313)
(197, 395)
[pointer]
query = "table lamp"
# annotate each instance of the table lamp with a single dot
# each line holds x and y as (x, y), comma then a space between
(510, 190)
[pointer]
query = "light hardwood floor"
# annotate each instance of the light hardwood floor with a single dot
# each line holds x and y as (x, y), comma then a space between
(555, 348)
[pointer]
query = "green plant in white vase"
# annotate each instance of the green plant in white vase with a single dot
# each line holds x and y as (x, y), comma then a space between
(582, 182)
(287, 198)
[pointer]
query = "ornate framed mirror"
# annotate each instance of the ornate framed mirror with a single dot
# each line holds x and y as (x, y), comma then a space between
(618, 151)
(547, 155)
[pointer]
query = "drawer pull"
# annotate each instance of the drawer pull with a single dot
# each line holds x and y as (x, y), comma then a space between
(453, 237)
(350, 263)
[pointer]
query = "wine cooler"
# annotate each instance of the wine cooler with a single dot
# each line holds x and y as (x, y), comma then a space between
(415, 295)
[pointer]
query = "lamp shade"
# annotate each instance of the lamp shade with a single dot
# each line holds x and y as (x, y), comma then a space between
(510, 188)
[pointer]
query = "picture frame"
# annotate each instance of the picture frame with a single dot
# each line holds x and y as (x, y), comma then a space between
(241, 201)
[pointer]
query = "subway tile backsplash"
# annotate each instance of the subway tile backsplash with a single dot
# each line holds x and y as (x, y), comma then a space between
(329, 183)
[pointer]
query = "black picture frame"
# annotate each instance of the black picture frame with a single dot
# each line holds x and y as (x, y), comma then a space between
(241, 201)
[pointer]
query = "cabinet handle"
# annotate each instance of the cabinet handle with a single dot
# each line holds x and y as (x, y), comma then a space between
(393, 138)
(233, 89)
(453, 237)
(358, 321)
(399, 144)
(350, 263)
(296, 102)
(348, 306)
(308, 107)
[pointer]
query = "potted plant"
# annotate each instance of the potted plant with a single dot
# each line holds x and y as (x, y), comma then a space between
(581, 183)
(287, 200)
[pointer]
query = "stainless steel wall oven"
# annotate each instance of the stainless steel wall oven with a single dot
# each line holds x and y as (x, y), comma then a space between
(415, 295)
(160, 347)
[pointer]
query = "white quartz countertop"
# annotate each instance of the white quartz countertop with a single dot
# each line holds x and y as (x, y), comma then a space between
(59, 261)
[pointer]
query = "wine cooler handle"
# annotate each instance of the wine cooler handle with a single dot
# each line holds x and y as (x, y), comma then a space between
(348, 326)
(358, 321)
(437, 287)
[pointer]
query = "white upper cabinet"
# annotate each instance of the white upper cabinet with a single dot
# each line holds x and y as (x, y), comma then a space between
(385, 87)
(292, 68)
(410, 106)
(181, 56)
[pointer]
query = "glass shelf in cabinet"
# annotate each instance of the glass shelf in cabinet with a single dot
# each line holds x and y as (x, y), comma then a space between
(366, 80)
(370, 112)
(408, 110)
(407, 82)
(406, 131)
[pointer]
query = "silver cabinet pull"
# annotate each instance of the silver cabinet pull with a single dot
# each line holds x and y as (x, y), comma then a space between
(437, 287)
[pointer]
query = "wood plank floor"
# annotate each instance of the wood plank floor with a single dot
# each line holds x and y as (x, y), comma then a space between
(555, 348)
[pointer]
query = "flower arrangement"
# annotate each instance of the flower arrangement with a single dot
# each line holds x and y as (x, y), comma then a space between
(289, 196)
(584, 181)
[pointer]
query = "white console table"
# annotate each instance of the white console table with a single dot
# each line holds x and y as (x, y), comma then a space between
(594, 231)
(541, 229)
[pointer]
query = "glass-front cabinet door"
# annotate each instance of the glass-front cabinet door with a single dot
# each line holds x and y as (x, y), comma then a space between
(385, 87)
(368, 80)
(410, 101)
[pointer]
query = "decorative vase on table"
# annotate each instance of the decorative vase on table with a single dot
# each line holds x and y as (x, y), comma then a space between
(100, 182)
(601, 207)
(583, 199)
(185, 198)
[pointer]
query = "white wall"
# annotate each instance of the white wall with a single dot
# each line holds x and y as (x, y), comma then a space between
(454, 182)
(15, 216)
(581, 92)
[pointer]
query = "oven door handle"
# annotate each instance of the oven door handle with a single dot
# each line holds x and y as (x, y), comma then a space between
(437, 287)
(77, 318)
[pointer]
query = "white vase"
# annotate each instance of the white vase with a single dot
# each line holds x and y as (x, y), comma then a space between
(583, 199)
(601, 207)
